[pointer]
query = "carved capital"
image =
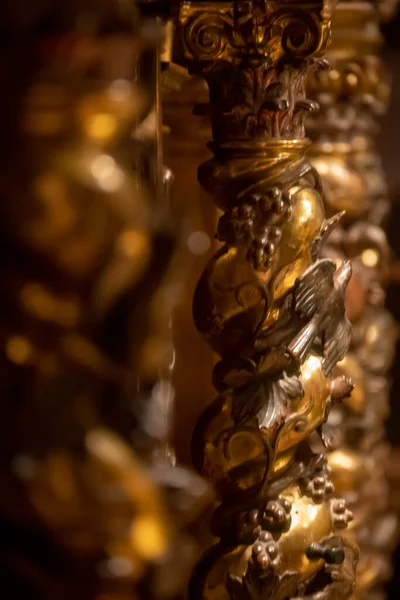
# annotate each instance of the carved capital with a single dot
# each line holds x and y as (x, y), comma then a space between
(255, 30)
(255, 57)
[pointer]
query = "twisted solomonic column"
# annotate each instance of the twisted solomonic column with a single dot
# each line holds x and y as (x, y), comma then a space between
(272, 308)
(85, 513)
(352, 96)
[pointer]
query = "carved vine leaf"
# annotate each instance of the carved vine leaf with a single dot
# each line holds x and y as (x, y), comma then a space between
(265, 399)
(262, 585)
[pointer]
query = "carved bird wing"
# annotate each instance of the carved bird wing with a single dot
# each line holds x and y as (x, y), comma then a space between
(326, 229)
(277, 396)
(265, 398)
(337, 343)
(314, 287)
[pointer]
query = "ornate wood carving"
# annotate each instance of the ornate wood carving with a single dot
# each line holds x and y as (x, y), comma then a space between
(84, 247)
(353, 95)
(271, 306)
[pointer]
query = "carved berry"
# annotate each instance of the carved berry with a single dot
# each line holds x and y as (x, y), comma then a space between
(248, 525)
(318, 485)
(341, 515)
(277, 515)
(264, 246)
(265, 551)
(238, 225)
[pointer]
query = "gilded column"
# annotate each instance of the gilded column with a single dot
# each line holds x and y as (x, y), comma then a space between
(185, 147)
(272, 308)
(352, 96)
(84, 248)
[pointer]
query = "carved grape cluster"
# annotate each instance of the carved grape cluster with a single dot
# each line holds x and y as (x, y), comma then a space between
(341, 515)
(256, 225)
(318, 485)
(237, 226)
(263, 247)
(277, 514)
(248, 525)
(265, 551)
(275, 517)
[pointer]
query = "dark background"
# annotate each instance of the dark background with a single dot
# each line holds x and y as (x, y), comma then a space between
(389, 145)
